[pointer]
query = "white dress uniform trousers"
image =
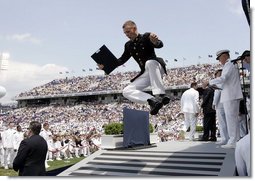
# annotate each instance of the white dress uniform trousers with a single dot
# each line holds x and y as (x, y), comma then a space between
(152, 76)
(221, 117)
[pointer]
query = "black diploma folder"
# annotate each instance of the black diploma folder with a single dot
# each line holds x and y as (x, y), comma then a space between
(105, 56)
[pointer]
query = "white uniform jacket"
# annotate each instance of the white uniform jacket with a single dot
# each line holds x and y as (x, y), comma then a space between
(190, 101)
(230, 81)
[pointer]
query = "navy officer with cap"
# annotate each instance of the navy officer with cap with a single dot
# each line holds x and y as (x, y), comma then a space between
(231, 95)
(141, 48)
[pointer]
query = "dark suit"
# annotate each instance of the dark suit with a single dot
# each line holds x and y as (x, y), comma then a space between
(30, 159)
(141, 49)
(209, 122)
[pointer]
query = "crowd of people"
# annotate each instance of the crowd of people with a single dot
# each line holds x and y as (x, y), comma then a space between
(175, 77)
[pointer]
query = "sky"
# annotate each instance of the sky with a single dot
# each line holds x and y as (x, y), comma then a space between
(45, 37)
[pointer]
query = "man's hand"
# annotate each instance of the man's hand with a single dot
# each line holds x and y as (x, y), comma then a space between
(154, 38)
(215, 87)
(100, 66)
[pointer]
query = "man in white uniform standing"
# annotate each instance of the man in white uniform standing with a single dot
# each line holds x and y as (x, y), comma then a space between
(231, 95)
(7, 140)
(17, 138)
(220, 113)
(46, 134)
(190, 108)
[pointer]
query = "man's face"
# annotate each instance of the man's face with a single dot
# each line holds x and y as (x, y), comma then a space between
(130, 32)
(223, 59)
(247, 59)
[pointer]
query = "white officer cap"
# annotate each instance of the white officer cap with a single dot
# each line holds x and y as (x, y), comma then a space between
(219, 53)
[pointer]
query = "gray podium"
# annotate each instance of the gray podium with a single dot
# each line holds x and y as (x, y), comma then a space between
(136, 128)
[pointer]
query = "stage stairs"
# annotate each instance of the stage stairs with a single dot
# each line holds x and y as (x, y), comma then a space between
(172, 158)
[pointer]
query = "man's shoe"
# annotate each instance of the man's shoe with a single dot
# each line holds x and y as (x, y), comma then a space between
(164, 99)
(155, 105)
(212, 139)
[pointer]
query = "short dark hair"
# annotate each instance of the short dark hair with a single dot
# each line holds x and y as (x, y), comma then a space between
(217, 71)
(129, 23)
(45, 124)
(193, 84)
(35, 127)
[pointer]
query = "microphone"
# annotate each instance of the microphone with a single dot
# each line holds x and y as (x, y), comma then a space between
(237, 59)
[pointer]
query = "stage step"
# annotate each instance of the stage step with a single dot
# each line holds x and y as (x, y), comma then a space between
(173, 158)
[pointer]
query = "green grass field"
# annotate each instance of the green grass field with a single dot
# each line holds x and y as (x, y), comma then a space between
(53, 165)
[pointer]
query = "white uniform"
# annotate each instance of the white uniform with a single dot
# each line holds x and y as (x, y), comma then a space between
(220, 113)
(243, 156)
(46, 135)
(189, 107)
(230, 97)
(151, 77)
(18, 137)
(7, 140)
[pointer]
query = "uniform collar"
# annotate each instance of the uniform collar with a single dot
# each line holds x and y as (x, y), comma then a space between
(137, 38)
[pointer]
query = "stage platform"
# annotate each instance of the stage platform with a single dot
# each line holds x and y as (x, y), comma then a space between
(172, 158)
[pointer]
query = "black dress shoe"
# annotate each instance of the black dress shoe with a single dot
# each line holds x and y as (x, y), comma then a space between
(212, 139)
(155, 105)
(164, 99)
(203, 139)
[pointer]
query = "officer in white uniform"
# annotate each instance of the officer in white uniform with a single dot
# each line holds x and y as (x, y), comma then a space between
(220, 113)
(243, 156)
(190, 108)
(231, 95)
(18, 137)
(7, 140)
(46, 134)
